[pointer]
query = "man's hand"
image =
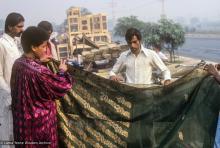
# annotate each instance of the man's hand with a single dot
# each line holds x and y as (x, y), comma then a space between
(166, 82)
(116, 78)
(218, 67)
(211, 69)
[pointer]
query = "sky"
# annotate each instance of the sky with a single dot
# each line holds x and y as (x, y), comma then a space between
(35, 11)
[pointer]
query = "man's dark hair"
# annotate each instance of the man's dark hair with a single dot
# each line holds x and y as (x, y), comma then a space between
(157, 46)
(132, 32)
(33, 36)
(12, 20)
(47, 26)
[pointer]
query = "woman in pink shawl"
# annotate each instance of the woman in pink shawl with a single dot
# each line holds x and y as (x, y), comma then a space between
(34, 89)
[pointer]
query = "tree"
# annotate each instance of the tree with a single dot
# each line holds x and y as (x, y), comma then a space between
(171, 35)
(151, 35)
(127, 22)
(85, 11)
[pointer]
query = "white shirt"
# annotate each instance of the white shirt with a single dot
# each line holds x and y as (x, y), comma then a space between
(79, 59)
(162, 56)
(138, 69)
(53, 51)
(9, 52)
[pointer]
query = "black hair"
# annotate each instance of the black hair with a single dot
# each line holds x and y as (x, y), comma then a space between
(12, 20)
(33, 36)
(132, 32)
(157, 45)
(47, 26)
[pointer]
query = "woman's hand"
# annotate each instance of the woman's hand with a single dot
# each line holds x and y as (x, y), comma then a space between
(63, 65)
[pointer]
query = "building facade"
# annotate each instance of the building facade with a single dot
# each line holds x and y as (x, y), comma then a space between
(93, 26)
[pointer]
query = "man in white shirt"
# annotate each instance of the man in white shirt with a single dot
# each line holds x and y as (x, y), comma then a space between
(9, 52)
(138, 62)
(157, 49)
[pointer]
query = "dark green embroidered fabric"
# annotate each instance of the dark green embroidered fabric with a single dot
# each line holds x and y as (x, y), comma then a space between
(98, 112)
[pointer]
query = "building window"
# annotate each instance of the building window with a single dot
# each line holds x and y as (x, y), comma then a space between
(84, 22)
(63, 49)
(74, 28)
(75, 12)
(104, 26)
(75, 20)
(97, 38)
(104, 18)
(71, 20)
(84, 28)
(96, 19)
(63, 55)
(63, 52)
(97, 26)
(104, 38)
(70, 13)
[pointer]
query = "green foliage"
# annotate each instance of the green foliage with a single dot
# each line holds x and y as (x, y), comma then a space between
(85, 11)
(151, 35)
(171, 33)
(127, 22)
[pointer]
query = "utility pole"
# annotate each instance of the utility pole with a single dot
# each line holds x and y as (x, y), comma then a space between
(113, 4)
(163, 15)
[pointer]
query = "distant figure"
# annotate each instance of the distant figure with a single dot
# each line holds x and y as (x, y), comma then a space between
(157, 49)
(34, 89)
(51, 51)
(136, 64)
(9, 52)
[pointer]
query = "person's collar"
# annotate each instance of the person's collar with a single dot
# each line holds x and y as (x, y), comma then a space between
(143, 49)
(9, 38)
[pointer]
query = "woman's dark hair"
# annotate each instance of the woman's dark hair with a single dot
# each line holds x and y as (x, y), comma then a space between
(47, 26)
(33, 36)
(12, 20)
(132, 32)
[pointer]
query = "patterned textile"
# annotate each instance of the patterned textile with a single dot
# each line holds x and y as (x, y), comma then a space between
(34, 89)
(98, 112)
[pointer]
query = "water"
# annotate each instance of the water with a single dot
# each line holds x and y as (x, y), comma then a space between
(201, 48)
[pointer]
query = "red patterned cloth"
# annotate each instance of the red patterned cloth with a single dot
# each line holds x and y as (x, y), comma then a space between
(34, 89)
